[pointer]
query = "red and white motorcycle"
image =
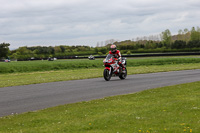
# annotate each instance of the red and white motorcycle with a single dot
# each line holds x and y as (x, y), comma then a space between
(112, 68)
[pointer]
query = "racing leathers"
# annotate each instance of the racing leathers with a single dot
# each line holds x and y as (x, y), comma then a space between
(117, 54)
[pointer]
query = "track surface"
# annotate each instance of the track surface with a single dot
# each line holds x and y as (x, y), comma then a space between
(19, 99)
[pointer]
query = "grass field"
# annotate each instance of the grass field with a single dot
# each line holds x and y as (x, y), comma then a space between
(173, 109)
(33, 66)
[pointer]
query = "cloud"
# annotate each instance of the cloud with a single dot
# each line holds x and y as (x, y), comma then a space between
(86, 22)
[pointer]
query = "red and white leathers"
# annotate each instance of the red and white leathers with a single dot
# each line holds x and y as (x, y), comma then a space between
(117, 54)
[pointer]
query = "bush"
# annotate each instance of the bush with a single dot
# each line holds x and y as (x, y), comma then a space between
(129, 52)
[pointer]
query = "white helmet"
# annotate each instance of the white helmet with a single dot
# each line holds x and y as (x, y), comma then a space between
(113, 48)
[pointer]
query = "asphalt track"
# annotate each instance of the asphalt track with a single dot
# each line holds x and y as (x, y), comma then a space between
(19, 99)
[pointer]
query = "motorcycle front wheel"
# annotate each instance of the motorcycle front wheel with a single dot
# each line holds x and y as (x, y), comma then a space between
(107, 76)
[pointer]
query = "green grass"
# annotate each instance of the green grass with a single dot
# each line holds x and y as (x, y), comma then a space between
(33, 66)
(173, 109)
(14, 79)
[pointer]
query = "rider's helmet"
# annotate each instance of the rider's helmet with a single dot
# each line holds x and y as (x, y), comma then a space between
(113, 48)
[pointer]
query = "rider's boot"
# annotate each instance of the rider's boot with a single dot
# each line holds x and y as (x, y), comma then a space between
(123, 68)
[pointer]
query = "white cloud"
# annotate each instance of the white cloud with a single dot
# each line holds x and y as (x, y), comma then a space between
(86, 22)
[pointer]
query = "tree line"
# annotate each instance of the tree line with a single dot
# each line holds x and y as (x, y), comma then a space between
(185, 41)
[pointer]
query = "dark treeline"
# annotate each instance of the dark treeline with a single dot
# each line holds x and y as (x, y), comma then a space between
(44, 52)
(185, 41)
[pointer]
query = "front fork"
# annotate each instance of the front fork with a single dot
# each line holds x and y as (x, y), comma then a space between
(109, 69)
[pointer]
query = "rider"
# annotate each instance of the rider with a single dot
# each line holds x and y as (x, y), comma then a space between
(117, 54)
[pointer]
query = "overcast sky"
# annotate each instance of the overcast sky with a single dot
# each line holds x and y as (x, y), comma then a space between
(86, 22)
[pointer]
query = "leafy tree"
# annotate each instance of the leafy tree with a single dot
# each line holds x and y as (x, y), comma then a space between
(183, 35)
(186, 30)
(62, 48)
(24, 50)
(4, 49)
(15, 55)
(57, 49)
(180, 35)
(166, 37)
(103, 50)
(194, 44)
(195, 34)
(178, 44)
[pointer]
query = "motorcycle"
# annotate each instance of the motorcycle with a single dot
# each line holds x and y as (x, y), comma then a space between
(112, 68)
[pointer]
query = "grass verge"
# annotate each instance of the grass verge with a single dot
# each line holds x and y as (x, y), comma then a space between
(15, 79)
(36, 66)
(173, 109)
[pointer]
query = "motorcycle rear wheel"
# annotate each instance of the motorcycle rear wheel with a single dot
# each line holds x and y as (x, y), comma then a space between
(106, 74)
(123, 75)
